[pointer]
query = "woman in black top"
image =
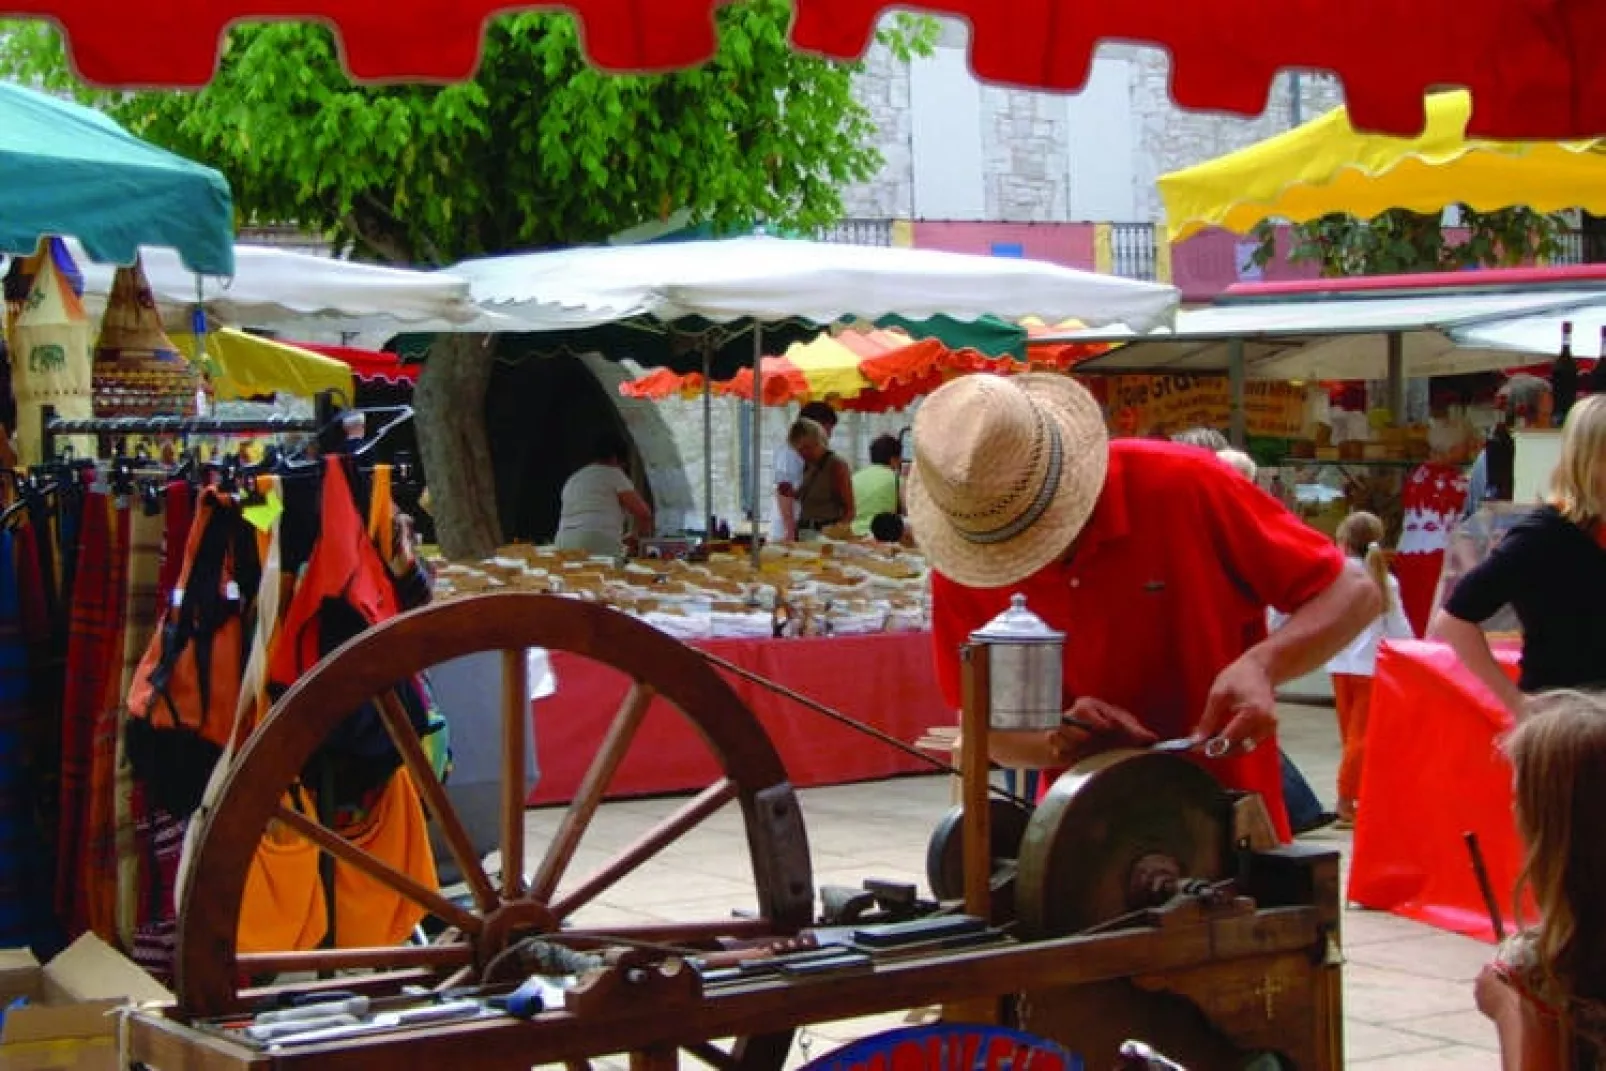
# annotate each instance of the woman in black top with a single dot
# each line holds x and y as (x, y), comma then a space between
(1551, 569)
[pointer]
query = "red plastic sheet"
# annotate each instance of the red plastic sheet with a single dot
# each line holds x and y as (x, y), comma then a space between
(886, 680)
(1433, 772)
(1532, 65)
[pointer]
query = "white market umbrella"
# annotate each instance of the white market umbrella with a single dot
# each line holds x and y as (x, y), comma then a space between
(279, 288)
(758, 280)
(769, 279)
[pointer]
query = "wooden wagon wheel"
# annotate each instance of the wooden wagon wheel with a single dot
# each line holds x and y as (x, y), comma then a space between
(209, 965)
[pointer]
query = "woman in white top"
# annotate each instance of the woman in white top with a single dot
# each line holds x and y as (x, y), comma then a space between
(1360, 536)
(596, 499)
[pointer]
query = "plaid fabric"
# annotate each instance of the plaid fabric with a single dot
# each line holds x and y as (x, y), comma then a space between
(26, 868)
(141, 613)
(86, 882)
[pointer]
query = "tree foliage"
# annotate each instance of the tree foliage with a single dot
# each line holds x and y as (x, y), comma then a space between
(539, 149)
(1401, 242)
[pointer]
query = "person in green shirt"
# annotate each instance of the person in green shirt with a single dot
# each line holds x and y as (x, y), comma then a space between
(875, 487)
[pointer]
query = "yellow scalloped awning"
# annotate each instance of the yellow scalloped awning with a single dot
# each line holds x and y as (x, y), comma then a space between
(1324, 167)
(243, 365)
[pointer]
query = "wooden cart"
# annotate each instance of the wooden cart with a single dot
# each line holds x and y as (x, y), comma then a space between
(1227, 946)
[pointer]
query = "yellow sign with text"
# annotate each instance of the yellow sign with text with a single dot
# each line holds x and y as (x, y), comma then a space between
(1145, 405)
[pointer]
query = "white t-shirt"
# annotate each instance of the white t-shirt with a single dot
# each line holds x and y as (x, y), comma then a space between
(788, 468)
(591, 501)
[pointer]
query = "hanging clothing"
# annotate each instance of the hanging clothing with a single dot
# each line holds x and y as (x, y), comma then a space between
(181, 707)
(86, 861)
(1434, 497)
(344, 589)
(27, 907)
(156, 937)
(141, 617)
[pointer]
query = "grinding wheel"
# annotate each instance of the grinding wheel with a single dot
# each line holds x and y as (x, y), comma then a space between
(945, 854)
(1114, 835)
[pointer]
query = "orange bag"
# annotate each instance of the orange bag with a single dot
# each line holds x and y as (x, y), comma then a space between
(368, 913)
(182, 704)
(284, 909)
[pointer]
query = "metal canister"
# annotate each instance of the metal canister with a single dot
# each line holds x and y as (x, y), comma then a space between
(1025, 668)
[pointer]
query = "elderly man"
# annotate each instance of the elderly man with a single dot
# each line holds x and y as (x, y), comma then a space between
(1156, 559)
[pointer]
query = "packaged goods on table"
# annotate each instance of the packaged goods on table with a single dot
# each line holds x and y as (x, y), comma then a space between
(819, 589)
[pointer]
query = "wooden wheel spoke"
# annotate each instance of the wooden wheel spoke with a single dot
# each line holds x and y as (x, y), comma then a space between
(440, 808)
(515, 728)
(649, 844)
(592, 787)
(381, 871)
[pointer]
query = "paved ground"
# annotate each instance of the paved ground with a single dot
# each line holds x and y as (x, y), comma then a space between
(1408, 988)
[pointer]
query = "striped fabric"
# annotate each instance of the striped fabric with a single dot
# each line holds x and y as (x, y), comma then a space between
(141, 613)
(86, 864)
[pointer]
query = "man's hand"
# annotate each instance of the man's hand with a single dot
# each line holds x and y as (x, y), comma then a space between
(1241, 709)
(1106, 720)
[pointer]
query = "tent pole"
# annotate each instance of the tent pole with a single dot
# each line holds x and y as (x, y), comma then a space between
(708, 442)
(1237, 424)
(1396, 344)
(758, 437)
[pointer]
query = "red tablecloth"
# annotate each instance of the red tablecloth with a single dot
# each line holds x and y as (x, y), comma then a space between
(1433, 772)
(886, 680)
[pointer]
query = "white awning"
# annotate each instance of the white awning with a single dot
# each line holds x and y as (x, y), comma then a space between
(1539, 335)
(773, 279)
(1345, 337)
(277, 288)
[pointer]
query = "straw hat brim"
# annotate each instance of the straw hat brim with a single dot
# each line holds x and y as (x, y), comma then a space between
(1086, 463)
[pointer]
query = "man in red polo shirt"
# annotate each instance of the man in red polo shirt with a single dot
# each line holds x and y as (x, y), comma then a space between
(1156, 560)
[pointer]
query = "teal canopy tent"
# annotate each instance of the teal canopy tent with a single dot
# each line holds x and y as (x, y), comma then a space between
(68, 170)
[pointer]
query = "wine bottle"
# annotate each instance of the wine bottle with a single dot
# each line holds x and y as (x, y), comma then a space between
(1564, 375)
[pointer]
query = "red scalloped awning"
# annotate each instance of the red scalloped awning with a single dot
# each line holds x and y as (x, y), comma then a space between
(1533, 66)
(372, 365)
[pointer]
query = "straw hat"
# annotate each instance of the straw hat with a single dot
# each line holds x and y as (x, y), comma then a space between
(1006, 473)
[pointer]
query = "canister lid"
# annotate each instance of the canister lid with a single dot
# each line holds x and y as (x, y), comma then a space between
(1017, 625)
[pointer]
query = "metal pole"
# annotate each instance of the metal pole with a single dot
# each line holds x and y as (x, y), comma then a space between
(758, 437)
(1396, 344)
(708, 441)
(1296, 106)
(1237, 422)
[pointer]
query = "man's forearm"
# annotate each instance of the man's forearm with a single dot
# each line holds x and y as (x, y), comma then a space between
(1320, 629)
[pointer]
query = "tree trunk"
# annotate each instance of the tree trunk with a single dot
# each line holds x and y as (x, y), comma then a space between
(1594, 238)
(450, 410)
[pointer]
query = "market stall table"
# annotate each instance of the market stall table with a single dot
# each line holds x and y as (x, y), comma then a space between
(1434, 771)
(885, 679)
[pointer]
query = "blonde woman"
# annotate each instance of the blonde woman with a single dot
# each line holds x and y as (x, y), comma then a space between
(1546, 989)
(1551, 569)
(1360, 537)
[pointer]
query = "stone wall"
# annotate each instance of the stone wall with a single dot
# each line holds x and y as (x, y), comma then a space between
(1171, 138)
(1026, 137)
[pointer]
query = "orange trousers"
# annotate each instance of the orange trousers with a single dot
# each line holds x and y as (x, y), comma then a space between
(1352, 695)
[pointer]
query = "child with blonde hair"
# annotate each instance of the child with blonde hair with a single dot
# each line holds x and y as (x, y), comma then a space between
(1360, 536)
(1546, 989)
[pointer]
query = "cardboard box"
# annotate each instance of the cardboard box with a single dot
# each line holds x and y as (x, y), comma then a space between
(70, 1021)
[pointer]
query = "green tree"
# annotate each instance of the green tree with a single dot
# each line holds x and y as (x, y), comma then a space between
(1400, 242)
(539, 149)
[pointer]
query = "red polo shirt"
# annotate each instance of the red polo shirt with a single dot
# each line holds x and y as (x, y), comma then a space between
(1169, 585)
